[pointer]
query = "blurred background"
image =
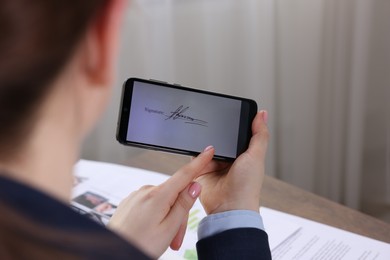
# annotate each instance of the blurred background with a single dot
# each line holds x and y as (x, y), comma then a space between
(320, 67)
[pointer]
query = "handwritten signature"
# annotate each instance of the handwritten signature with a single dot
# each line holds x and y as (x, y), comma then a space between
(179, 114)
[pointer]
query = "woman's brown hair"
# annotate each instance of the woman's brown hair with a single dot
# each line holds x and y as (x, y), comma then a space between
(37, 38)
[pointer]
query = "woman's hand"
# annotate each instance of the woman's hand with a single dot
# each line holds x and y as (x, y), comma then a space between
(237, 186)
(155, 217)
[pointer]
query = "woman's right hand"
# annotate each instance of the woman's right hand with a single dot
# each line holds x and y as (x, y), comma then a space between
(237, 186)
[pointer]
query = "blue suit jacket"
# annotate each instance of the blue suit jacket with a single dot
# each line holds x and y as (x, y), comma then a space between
(240, 243)
(83, 238)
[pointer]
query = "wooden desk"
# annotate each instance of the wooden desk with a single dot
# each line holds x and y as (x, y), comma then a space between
(281, 196)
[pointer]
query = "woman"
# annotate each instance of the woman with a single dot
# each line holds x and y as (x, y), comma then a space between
(56, 70)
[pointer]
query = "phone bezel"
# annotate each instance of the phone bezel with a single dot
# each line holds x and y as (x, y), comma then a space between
(248, 106)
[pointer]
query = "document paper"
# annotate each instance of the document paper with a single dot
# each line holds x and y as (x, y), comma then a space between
(99, 187)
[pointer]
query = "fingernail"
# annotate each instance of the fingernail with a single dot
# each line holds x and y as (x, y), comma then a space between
(208, 148)
(194, 190)
(264, 114)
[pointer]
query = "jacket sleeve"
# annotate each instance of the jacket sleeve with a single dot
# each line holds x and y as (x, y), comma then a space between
(239, 243)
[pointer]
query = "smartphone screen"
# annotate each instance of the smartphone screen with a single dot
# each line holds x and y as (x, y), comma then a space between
(173, 118)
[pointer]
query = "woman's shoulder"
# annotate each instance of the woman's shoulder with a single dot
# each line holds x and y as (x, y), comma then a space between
(34, 225)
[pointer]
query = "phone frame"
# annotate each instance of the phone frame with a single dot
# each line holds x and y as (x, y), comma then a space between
(248, 106)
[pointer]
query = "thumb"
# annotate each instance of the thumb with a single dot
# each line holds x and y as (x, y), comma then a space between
(181, 207)
(259, 141)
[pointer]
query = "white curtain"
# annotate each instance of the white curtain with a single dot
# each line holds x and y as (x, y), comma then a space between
(320, 67)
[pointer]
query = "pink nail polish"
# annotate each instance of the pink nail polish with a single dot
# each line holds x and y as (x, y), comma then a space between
(208, 148)
(194, 190)
(265, 116)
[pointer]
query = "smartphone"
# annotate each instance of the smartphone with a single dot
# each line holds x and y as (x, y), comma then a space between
(173, 118)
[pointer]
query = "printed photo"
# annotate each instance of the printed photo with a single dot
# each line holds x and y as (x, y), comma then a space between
(90, 199)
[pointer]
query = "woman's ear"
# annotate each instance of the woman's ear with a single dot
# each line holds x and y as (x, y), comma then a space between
(101, 44)
(94, 63)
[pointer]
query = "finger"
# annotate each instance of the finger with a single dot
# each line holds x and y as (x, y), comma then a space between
(146, 188)
(215, 166)
(178, 239)
(259, 141)
(185, 175)
(183, 204)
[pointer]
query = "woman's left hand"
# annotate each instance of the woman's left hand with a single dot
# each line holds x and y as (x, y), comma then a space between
(155, 217)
